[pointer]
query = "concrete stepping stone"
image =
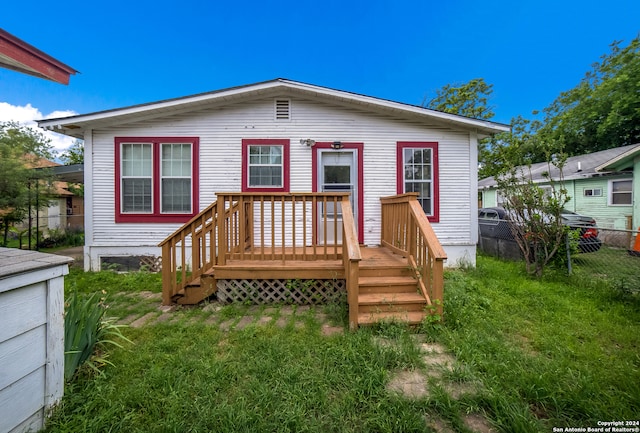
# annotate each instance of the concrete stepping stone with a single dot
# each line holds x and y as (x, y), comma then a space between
(264, 320)
(211, 320)
(127, 320)
(244, 322)
(226, 325)
(410, 384)
(138, 323)
(163, 317)
(328, 330)
(286, 310)
(478, 423)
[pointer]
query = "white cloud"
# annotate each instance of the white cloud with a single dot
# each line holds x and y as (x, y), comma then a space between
(27, 115)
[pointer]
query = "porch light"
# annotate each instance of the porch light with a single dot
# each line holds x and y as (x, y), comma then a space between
(337, 145)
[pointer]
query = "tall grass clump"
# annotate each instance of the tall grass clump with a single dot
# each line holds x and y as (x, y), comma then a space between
(87, 333)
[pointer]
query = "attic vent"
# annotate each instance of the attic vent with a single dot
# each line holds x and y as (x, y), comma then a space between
(283, 109)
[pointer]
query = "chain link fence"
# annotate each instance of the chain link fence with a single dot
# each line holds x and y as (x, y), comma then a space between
(616, 261)
(608, 254)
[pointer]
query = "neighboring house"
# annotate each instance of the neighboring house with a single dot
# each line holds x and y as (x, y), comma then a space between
(65, 210)
(600, 184)
(149, 168)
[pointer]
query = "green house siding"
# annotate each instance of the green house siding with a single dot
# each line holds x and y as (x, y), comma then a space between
(487, 198)
(606, 215)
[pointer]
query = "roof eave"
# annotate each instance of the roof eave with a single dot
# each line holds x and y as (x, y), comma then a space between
(621, 161)
(17, 55)
(74, 125)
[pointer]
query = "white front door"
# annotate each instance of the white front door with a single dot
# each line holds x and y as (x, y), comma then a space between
(337, 172)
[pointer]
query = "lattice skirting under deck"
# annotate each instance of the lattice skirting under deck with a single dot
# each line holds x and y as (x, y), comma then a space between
(301, 292)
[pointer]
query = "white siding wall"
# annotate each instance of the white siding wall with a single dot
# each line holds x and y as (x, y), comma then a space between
(31, 337)
(221, 132)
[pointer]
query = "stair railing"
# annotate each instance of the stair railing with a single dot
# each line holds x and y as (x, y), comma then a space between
(407, 231)
(192, 249)
(351, 259)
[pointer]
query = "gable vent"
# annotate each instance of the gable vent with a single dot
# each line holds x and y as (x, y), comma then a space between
(283, 109)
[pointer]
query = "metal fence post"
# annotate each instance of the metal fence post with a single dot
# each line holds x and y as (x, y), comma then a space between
(568, 247)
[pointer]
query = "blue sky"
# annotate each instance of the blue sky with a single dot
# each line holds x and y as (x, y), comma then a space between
(131, 52)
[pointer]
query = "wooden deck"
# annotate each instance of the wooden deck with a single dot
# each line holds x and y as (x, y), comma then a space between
(256, 245)
(388, 287)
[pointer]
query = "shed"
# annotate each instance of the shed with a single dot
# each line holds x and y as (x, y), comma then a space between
(31, 337)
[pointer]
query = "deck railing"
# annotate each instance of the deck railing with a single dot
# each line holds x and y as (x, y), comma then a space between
(407, 231)
(261, 226)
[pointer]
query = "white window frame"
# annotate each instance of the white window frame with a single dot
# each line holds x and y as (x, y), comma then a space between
(124, 177)
(164, 176)
(260, 164)
(429, 182)
(611, 193)
(595, 192)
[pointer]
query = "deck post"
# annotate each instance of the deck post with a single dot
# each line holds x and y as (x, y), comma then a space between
(437, 288)
(352, 292)
(222, 232)
(167, 271)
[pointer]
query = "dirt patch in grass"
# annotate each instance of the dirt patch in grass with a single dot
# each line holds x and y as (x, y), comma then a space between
(409, 384)
(478, 423)
(438, 425)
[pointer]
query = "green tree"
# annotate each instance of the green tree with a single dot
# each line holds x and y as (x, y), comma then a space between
(469, 99)
(603, 110)
(535, 213)
(74, 154)
(22, 186)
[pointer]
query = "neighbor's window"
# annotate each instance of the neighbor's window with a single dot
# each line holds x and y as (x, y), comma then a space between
(593, 192)
(156, 179)
(418, 172)
(265, 165)
(621, 192)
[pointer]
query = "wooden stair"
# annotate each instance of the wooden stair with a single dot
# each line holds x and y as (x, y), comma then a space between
(197, 290)
(389, 292)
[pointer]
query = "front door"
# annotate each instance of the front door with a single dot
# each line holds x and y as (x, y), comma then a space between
(337, 172)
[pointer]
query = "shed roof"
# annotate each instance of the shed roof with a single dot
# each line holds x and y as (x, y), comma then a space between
(75, 125)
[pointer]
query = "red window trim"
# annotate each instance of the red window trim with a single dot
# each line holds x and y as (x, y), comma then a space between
(433, 145)
(285, 143)
(314, 177)
(156, 216)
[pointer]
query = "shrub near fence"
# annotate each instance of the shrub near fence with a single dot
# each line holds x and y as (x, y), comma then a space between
(615, 261)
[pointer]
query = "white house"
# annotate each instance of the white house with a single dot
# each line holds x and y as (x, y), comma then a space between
(149, 168)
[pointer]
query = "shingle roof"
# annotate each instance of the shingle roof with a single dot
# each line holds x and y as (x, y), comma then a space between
(576, 167)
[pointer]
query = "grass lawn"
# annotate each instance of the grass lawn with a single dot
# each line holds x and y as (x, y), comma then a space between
(558, 352)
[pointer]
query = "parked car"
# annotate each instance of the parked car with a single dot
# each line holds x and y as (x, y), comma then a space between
(494, 222)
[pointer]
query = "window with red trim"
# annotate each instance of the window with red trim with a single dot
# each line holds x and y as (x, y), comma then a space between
(156, 179)
(265, 165)
(418, 172)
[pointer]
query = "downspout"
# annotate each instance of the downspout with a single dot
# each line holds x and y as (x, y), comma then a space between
(635, 193)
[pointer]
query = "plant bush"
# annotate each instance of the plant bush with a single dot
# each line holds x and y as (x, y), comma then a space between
(61, 237)
(86, 333)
